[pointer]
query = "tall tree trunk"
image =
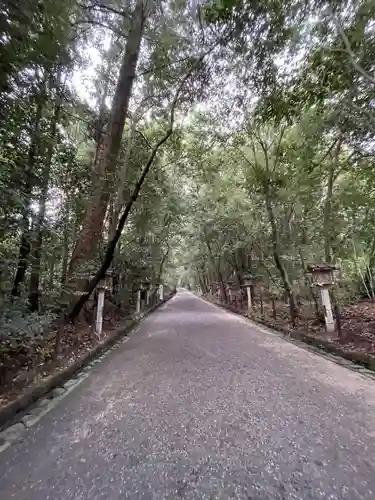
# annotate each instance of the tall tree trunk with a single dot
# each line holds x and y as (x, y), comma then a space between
(51, 266)
(39, 229)
(203, 284)
(77, 307)
(161, 266)
(216, 267)
(308, 281)
(369, 276)
(327, 211)
(327, 217)
(65, 247)
(25, 246)
(99, 132)
(277, 254)
(87, 244)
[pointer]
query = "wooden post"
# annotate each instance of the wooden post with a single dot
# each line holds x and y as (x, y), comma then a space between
(147, 296)
(161, 292)
(99, 311)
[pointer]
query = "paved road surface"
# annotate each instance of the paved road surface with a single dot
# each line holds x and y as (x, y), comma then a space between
(199, 404)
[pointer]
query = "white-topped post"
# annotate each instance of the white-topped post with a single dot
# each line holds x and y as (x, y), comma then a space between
(99, 311)
(106, 283)
(247, 284)
(161, 292)
(249, 304)
(138, 306)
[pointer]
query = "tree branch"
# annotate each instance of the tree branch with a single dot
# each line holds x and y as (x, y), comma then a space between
(349, 50)
(327, 153)
(92, 22)
(101, 7)
(144, 138)
(108, 257)
(277, 149)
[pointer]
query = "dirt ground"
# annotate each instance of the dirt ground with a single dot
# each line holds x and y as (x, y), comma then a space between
(25, 360)
(357, 322)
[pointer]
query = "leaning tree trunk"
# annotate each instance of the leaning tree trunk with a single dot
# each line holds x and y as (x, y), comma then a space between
(119, 201)
(76, 308)
(88, 241)
(161, 266)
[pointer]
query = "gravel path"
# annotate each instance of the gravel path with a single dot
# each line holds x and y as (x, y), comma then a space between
(200, 404)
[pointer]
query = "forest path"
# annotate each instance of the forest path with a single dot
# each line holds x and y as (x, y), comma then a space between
(201, 404)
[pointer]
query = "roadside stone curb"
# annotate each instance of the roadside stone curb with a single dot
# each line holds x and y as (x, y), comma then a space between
(321, 348)
(13, 432)
(59, 386)
(4, 444)
(59, 391)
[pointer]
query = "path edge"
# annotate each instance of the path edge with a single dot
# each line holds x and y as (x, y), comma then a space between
(358, 362)
(11, 412)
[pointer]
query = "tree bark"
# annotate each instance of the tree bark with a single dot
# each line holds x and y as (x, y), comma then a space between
(87, 244)
(277, 254)
(52, 264)
(111, 247)
(327, 218)
(119, 201)
(25, 246)
(99, 133)
(318, 314)
(218, 270)
(369, 277)
(75, 310)
(327, 212)
(161, 266)
(34, 293)
(65, 247)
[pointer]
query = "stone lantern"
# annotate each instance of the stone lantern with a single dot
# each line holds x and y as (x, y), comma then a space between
(230, 284)
(160, 287)
(322, 278)
(138, 303)
(148, 294)
(146, 291)
(247, 283)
